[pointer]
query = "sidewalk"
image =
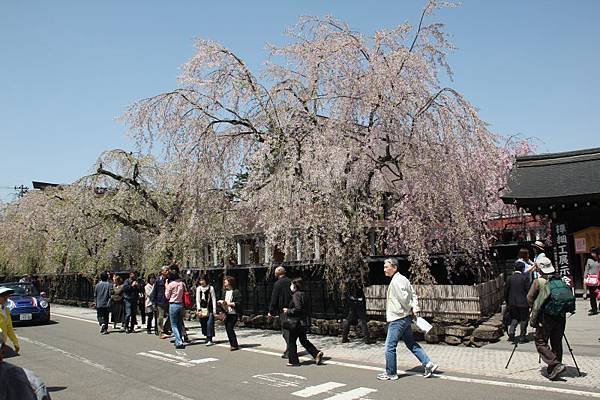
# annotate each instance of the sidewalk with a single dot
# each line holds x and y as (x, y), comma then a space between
(488, 361)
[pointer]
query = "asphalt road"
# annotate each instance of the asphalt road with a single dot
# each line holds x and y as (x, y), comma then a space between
(77, 363)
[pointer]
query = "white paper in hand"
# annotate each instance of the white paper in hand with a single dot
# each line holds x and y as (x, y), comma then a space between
(423, 325)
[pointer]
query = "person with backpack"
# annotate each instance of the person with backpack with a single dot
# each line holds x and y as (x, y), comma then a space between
(550, 299)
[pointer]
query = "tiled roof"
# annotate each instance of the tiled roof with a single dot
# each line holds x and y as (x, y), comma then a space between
(557, 176)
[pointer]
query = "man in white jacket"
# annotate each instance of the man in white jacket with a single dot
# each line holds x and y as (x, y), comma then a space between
(400, 311)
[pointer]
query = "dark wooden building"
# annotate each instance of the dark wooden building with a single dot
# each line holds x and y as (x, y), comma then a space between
(566, 188)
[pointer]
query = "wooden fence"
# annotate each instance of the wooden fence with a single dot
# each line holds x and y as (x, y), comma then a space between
(449, 302)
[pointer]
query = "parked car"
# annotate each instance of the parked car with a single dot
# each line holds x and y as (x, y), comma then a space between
(27, 303)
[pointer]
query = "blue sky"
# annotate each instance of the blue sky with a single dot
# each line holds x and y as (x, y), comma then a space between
(68, 69)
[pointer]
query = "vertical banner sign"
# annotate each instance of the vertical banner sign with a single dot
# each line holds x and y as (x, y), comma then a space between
(561, 249)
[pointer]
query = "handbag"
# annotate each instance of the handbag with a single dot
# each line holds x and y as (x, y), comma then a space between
(597, 291)
(221, 316)
(187, 300)
(203, 312)
(591, 280)
(291, 324)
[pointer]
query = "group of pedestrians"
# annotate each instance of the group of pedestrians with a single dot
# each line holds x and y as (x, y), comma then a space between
(538, 296)
(166, 298)
(162, 303)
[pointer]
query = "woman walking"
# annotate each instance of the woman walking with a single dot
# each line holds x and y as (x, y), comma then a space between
(298, 321)
(591, 279)
(174, 294)
(232, 306)
(116, 302)
(149, 306)
(206, 304)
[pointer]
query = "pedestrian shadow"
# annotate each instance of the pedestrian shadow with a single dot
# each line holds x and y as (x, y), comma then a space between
(571, 372)
(249, 345)
(55, 388)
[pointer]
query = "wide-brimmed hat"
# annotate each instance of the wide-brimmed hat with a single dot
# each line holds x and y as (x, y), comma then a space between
(539, 245)
(5, 290)
(545, 265)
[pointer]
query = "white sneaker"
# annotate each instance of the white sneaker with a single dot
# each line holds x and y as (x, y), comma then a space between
(385, 377)
(209, 343)
(430, 368)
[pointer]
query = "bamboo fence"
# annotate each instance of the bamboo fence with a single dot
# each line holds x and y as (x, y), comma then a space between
(450, 302)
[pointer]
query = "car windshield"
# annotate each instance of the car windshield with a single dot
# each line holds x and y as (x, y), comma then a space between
(22, 289)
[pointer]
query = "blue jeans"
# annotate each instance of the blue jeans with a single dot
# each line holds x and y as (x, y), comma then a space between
(208, 326)
(176, 316)
(130, 311)
(397, 329)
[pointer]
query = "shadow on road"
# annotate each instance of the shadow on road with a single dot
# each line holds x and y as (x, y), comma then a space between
(55, 388)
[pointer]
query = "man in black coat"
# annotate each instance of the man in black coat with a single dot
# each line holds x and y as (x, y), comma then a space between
(356, 304)
(280, 299)
(131, 295)
(515, 295)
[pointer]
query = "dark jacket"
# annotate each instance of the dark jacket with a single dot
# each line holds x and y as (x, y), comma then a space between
(102, 293)
(300, 307)
(281, 296)
(131, 293)
(516, 289)
(158, 293)
(237, 300)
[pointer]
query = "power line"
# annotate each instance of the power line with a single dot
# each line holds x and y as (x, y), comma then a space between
(21, 189)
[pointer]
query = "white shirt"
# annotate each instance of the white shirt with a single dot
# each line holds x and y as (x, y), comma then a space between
(401, 299)
(228, 299)
(202, 292)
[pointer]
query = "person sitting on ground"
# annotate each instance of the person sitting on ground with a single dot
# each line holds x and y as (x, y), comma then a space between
(515, 295)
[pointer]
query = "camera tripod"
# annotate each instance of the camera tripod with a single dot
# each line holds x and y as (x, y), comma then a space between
(540, 357)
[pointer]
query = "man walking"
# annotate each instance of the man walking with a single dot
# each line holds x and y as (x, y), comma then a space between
(515, 295)
(356, 304)
(131, 295)
(400, 310)
(551, 299)
(161, 303)
(101, 297)
(280, 299)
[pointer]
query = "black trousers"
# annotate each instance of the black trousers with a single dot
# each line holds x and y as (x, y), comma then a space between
(149, 317)
(552, 329)
(357, 313)
(592, 296)
(102, 314)
(284, 332)
(296, 334)
(230, 321)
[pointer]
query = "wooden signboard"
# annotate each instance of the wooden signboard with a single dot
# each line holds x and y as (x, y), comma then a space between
(586, 238)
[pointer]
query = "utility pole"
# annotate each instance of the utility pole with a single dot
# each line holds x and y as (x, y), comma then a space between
(22, 190)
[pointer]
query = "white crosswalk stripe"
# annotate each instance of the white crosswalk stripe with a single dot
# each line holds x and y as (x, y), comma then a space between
(318, 389)
(353, 394)
(174, 359)
(166, 359)
(327, 387)
(180, 358)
